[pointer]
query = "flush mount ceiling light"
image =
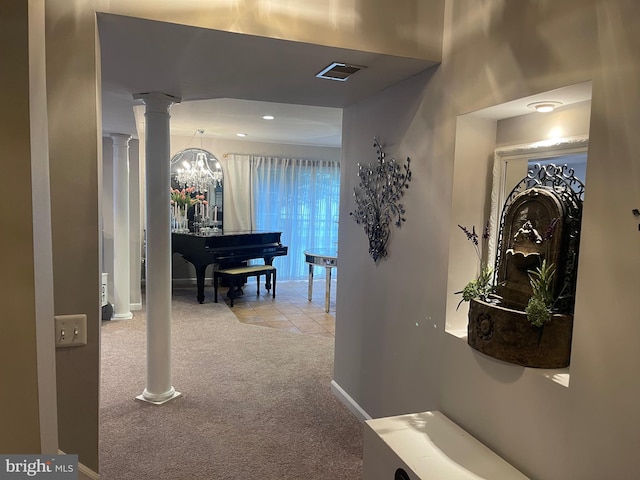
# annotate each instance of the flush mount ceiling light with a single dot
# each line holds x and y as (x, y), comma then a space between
(339, 71)
(268, 117)
(544, 107)
(241, 134)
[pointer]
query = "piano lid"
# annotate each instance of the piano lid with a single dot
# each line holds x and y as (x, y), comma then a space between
(227, 233)
(187, 241)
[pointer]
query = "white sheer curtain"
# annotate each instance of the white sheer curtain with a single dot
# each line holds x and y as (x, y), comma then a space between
(238, 212)
(301, 199)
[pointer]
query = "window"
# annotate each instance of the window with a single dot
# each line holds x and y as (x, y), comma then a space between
(301, 199)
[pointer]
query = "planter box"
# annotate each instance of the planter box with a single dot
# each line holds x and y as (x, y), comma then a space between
(507, 335)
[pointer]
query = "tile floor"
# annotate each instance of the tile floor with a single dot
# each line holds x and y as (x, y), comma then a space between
(290, 310)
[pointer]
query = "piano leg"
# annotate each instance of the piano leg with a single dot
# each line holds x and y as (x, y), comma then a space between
(235, 288)
(200, 272)
(267, 277)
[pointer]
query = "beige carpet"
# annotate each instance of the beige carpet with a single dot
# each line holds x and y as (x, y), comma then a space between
(256, 403)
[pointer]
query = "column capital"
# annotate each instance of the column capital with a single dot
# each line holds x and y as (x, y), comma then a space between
(157, 101)
(120, 139)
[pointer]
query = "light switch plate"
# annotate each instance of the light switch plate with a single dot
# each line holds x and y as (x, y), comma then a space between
(71, 330)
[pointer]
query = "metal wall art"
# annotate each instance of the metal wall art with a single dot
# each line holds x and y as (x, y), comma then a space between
(382, 185)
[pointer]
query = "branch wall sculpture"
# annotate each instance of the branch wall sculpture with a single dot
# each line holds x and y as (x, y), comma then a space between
(382, 185)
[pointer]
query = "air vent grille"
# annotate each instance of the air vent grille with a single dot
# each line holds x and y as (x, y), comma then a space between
(339, 71)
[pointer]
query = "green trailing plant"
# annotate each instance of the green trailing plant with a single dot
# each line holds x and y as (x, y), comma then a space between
(540, 306)
(482, 286)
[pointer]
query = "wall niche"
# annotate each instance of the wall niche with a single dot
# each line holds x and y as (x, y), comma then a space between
(495, 148)
(529, 319)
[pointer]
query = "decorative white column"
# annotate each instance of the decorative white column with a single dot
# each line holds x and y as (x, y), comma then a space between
(121, 255)
(158, 259)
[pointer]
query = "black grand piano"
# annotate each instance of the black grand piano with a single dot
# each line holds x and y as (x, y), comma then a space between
(225, 249)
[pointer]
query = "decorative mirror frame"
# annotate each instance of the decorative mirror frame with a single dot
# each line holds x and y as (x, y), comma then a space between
(207, 199)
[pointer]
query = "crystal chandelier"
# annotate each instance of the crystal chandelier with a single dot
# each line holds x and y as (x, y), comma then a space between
(192, 168)
(194, 173)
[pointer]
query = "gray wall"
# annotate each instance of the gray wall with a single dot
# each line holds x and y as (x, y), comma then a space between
(27, 359)
(74, 133)
(75, 156)
(392, 352)
(385, 312)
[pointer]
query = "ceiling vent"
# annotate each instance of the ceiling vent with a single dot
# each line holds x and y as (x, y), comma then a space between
(339, 71)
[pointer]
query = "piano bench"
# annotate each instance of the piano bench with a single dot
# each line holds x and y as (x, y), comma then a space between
(238, 275)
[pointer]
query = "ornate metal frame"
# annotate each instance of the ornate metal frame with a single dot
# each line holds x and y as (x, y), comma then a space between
(562, 180)
(377, 200)
(541, 149)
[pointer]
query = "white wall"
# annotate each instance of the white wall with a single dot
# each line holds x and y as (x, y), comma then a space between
(74, 110)
(387, 359)
(500, 390)
(390, 343)
(568, 121)
(389, 314)
(411, 28)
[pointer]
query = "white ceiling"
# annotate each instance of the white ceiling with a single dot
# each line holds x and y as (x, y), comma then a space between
(293, 124)
(580, 92)
(227, 81)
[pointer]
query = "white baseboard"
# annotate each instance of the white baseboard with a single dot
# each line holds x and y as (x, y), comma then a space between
(84, 472)
(134, 307)
(190, 282)
(184, 282)
(349, 402)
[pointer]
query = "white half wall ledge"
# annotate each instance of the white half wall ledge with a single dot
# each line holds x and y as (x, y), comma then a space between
(429, 446)
(349, 402)
(458, 333)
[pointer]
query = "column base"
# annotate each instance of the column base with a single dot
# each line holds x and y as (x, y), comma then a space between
(122, 316)
(158, 399)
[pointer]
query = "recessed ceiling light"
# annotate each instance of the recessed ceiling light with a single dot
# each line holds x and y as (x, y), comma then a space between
(241, 134)
(544, 107)
(268, 117)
